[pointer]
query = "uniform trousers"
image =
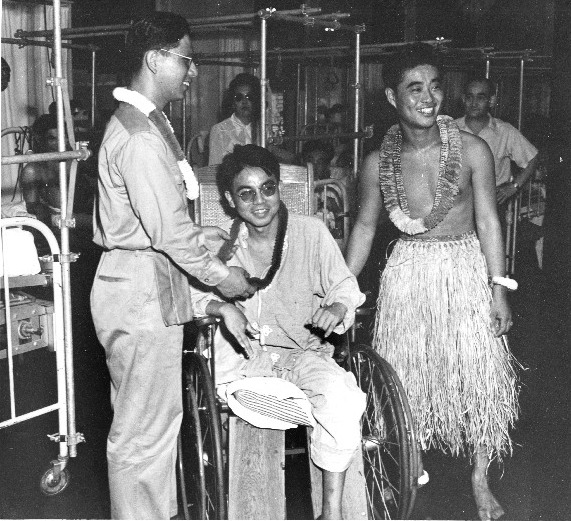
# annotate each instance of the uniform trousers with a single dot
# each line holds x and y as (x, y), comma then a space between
(144, 358)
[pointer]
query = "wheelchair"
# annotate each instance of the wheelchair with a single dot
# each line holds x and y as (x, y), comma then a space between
(388, 442)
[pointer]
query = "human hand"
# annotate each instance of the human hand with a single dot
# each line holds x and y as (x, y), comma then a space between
(235, 284)
(328, 317)
(500, 312)
(215, 238)
(504, 192)
(239, 327)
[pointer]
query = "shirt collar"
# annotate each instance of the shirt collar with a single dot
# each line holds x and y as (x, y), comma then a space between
(238, 123)
(492, 124)
(244, 235)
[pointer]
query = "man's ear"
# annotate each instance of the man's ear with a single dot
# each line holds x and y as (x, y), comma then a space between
(229, 199)
(493, 101)
(151, 60)
(390, 94)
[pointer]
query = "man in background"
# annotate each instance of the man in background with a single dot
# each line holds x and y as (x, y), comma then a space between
(242, 127)
(505, 141)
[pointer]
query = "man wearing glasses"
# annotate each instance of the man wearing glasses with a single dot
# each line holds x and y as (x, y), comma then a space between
(242, 127)
(141, 295)
(304, 293)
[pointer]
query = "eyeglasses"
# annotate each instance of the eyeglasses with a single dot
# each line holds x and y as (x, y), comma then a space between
(248, 195)
(240, 97)
(190, 60)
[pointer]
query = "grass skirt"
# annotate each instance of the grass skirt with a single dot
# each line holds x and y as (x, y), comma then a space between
(433, 326)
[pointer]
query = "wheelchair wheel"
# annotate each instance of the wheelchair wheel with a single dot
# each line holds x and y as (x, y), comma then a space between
(200, 464)
(388, 441)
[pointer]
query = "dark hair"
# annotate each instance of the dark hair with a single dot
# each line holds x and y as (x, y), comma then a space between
(243, 79)
(246, 156)
(482, 79)
(155, 31)
(40, 129)
(408, 58)
(74, 105)
(6, 73)
(317, 145)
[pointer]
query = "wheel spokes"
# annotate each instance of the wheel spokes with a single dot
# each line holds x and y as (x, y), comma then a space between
(380, 440)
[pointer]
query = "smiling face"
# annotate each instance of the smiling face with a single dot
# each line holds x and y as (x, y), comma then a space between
(175, 72)
(418, 96)
(255, 196)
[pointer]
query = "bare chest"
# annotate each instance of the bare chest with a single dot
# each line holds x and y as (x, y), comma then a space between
(420, 179)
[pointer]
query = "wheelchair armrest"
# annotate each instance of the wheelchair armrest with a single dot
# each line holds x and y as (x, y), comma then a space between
(208, 320)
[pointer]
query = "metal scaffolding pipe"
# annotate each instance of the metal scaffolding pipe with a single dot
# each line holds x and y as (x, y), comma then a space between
(520, 103)
(250, 16)
(24, 42)
(369, 50)
(93, 81)
(93, 34)
(80, 155)
(312, 21)
(65, 267)
(105, 29)
(263, 79)
(368, 133)
(333, 16)
(517, 201)
(73, 31)
(227, 25)
(245, 64)
(357, 97)
(298, 102)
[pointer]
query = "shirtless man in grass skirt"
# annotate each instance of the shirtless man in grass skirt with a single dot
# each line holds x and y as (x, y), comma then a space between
(443, 310)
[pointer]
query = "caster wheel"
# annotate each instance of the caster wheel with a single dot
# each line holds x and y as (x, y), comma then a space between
(49, 485)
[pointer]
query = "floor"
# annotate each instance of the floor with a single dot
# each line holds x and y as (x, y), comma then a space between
(533, 484)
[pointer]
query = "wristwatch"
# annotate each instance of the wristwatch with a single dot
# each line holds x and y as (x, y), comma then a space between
(515, 185)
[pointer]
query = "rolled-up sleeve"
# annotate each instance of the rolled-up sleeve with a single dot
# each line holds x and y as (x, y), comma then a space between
(156, 194)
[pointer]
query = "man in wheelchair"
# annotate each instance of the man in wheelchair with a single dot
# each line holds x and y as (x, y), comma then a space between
(304, 293)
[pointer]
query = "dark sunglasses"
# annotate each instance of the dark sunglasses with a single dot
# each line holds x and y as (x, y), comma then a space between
(248, 195)
(240, 97)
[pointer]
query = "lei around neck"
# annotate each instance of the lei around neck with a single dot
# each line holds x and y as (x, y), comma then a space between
(391, 180)
(225, 253)
(159, 119)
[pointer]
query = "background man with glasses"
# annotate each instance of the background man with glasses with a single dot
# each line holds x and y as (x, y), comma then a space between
(242, 126)
(141, 295)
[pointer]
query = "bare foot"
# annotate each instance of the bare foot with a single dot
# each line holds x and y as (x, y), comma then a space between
(422, 475)
(488, 506)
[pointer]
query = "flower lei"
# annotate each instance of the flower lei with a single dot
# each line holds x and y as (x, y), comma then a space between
(226, 252)
(159, 119)
(391, 180)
